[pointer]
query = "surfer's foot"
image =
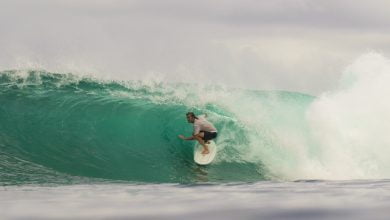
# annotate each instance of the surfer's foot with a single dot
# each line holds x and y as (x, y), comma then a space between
(205, 152)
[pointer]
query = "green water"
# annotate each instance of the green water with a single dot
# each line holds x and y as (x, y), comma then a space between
(61, 128)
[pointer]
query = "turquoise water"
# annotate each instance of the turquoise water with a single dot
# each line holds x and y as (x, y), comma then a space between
(75, 147)
(60, 128)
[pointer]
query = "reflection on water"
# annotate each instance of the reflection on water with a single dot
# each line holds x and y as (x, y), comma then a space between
(201, 173)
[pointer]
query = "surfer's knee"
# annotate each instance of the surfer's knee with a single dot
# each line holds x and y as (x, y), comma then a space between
(199, 138)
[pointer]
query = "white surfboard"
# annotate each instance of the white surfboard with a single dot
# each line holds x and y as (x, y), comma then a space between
(204, 159)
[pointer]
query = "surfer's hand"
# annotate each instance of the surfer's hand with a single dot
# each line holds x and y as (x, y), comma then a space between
(181, 137)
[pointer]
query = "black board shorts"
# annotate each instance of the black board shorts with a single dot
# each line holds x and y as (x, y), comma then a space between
(209, 135)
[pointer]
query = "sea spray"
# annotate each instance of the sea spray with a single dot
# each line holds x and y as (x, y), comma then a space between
(63, 128)
(350, 124)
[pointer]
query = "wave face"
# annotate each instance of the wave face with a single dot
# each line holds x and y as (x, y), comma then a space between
(63, 128)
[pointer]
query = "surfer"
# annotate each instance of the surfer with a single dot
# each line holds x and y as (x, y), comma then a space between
(203, 131)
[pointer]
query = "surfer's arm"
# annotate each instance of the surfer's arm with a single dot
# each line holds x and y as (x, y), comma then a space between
(196, 132)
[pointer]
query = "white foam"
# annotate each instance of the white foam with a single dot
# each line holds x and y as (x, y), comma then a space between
(344, 134)
(350, 125)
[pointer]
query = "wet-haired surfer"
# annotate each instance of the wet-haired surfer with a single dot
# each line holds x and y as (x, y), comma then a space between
(203, 131)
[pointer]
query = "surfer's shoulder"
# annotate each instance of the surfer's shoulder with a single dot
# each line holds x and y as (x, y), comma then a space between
(202, 115)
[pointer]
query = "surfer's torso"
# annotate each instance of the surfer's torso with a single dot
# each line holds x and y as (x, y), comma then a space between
(201, 124)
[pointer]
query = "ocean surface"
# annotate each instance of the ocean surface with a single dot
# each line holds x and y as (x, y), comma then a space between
(75, 147)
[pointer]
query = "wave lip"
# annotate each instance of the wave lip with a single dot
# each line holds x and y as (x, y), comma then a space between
(60, 128)
(71, 128)
(64, 127)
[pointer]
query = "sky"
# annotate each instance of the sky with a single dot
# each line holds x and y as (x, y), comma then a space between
(294, 45)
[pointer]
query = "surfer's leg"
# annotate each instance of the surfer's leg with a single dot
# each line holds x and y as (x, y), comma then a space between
(199, 138)
(207, 136)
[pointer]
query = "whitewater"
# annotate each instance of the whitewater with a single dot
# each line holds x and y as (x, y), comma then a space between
(69, 139)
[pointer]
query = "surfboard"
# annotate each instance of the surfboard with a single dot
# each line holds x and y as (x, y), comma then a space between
(204, 159)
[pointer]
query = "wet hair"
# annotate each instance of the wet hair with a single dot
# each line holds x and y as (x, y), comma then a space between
(191, 114)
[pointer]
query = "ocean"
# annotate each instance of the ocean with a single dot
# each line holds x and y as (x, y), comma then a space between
(74, 147)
